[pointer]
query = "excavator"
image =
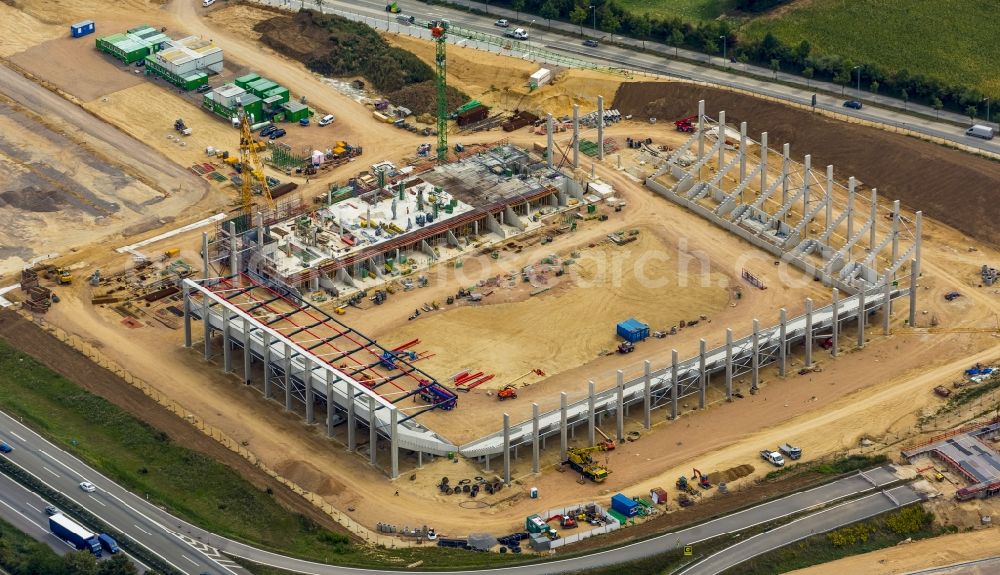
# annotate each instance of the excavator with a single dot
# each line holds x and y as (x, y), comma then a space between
(579, 459)
(702, 479)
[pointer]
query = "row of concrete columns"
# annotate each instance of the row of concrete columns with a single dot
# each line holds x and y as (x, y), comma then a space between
(565, 428)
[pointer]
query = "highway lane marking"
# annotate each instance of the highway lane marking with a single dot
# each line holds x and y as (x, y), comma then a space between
(50, 471)
(18, 436)
(26, 518)
(33, 507)
(101, 503)
(71, 470)
(141, 529)
(192, 561)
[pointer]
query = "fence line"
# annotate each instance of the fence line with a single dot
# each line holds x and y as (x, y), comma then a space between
(216, 434)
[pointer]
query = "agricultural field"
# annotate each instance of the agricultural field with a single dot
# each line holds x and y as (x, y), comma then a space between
(691, 10)
(957, 45)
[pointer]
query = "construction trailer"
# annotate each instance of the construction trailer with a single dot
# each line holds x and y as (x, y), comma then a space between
(82, 28)
(624, 505)
(134, 44)
(186, 62)
(224, 101)
(246, 79)
(633, 330)
(294, 111)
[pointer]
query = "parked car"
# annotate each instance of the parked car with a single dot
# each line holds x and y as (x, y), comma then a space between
(326, 120)
(88, 486)
(207, 3)
(277, 134)
(591, 43)
(51, 510)
(502, 23)
(5, 447)
(268, 130)
(853, 104)
(203, 88)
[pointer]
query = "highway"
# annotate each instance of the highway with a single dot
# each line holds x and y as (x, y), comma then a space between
(25, 510)
(193, 551)
(150, 526)
(827, 520)
(564, 38)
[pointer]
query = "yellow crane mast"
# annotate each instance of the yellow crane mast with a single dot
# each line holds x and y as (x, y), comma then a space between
(251, 167)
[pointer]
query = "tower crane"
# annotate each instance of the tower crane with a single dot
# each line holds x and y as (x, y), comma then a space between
(251, 166)
(439, 31)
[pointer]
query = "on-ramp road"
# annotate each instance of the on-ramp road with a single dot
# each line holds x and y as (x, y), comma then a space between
(192, 550)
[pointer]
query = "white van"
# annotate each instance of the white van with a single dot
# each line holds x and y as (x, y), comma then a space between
(207, 3)
(980, 131)
(326, 120)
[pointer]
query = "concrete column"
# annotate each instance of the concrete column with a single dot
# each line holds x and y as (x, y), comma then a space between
(563, 440)
(701, 129)
(913, 293)
(590, 413)
(227, 343)
(786, 159)
(204, 255)
(887, 302)
(534, 438)
(506, 449)
(234, 255)
(722, 136)
(729, 364)
(763, 161)
(702, 374)
(895, 232)
(851, 183)
(288, 377)
(394, 442)
(310, 397)
(673, 384)
(829, 195)
(207, 324)
(782, 342)
(372, 432)
(835, 325)
(647, 399)
(187, 317)
(743, 151)
(267, 364)
(806, 182)
(620, 416)
(549, 148)
(809, 332)
(755, 360)
(352, 416)
(331, 410)
(862, 316)
(576, 135)
(600, 127)
(246, 352)
(874, 218)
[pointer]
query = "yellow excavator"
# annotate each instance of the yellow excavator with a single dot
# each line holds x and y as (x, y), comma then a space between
(579, 459)
(63, 276)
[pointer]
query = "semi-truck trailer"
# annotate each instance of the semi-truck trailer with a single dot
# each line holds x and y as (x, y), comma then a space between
(72, 532)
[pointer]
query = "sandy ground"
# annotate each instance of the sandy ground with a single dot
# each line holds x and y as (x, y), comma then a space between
(824, 412)
(905, 558)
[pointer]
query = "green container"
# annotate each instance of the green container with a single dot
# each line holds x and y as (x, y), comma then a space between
(244, 81)
(591, 208)
(453, 203)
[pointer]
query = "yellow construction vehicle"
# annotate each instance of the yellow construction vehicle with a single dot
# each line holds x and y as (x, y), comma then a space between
(63, 277)
(579, 459)
(251, 166)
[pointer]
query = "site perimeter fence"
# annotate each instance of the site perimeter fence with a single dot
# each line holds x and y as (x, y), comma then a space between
(215, 433)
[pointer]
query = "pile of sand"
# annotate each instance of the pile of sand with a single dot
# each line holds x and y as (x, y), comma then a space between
(731, 474)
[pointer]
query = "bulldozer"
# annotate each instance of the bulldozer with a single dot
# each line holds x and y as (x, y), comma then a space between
(579, 459)
(508, 392)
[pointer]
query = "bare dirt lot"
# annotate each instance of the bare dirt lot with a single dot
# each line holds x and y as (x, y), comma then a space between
(953, 187)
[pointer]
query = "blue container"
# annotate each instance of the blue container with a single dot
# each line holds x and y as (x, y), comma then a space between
(633, 330)
(82, 28)
(624, 505)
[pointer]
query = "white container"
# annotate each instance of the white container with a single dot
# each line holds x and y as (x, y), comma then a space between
(533, 492)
